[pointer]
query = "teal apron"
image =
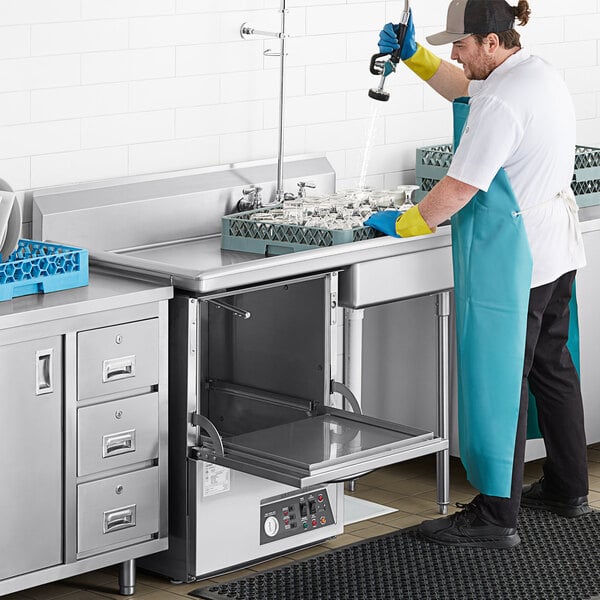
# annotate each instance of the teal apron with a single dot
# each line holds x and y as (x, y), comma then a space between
(492, 278)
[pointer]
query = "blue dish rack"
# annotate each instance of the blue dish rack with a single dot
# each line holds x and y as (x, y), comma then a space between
(36, 267)
(432, 163)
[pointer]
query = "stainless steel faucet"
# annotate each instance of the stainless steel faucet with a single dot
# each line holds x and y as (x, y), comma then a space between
(302, 185)
(251, 198)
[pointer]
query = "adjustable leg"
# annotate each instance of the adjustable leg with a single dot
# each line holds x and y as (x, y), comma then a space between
(443, 457)
(127, 578)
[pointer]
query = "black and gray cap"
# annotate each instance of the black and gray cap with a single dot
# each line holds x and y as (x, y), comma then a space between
(466, 17)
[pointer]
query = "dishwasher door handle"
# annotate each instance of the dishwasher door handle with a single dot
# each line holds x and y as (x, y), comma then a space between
(120, 518)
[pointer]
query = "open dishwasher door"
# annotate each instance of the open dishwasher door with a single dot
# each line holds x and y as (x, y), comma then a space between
(265, 390)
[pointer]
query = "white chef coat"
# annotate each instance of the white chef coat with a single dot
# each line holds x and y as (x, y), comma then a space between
(522, 118)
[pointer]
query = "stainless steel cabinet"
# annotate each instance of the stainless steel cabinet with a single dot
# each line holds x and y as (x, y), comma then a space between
(83, 431)
(31, 454)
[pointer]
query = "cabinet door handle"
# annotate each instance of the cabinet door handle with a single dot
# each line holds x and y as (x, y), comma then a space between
(43, 371)
(119, 518)
(118, 443)
(118, 368)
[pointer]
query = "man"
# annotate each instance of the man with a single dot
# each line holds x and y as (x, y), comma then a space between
(516, 247)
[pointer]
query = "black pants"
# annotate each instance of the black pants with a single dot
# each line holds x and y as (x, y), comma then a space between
(553, 380)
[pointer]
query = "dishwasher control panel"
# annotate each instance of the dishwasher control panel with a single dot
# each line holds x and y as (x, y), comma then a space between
(295, 515)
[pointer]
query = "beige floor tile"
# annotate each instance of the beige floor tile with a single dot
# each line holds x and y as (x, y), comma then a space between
(374, 531)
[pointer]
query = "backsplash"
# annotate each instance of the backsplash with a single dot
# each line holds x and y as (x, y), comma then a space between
(92, 89)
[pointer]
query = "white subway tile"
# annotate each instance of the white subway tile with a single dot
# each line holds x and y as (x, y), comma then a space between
(322, 79)
(345, 19)
(316, 50)
(219, 58)
(14, 41)
(314, 2)
(340, 135)
(110, 9)
(307, 110)
(256, 145)
(550, 30)
(127, 65)
(176, 30)
(17, 12)
(416, 126)
(135, 128)
(250, 85)
(219, 119)
(588, 132)
(568, 54)
(82, 36)
(193, 6)
(585, 105)
(583, 80)
(16, 172)
(39, 138)
(403, 99)
(15, 108)
(33, 73)
(78, 166)
(381, 159)
(173, 155)
(79, 101)
(552, 8)
(155, 94)
(582, 27)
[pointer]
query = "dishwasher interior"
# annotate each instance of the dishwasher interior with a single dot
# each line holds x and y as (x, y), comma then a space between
(258, 447)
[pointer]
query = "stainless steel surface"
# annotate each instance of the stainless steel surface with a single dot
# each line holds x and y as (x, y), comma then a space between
(127, 578)
(117, 510)
(116, 434)
(443, 431)
(31, 461)
(38, 324)
(119, 358)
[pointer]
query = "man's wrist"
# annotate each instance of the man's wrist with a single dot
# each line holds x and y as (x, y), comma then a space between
(423, 63)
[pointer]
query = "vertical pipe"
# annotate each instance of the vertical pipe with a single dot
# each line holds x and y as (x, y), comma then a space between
(443, 457)
(279, 192)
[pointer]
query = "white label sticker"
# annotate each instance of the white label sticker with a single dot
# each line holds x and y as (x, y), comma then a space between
(215, 479)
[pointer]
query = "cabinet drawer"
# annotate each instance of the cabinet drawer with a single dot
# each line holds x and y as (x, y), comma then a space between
(117, 433)
(117, 359)
(118, 509)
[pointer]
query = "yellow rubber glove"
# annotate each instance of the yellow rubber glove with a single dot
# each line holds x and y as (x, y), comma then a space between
(411, 223)
(424, 63)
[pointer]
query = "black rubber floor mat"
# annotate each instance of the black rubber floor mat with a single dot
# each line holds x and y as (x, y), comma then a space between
(558, 559)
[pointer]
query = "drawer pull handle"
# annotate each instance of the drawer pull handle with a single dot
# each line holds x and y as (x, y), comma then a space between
(118, 443)
(118, 368)
(120, 518)
(43, 372)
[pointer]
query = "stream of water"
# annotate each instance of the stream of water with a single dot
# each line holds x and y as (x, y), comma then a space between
(375, 108)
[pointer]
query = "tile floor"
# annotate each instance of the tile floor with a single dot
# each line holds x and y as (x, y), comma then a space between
(409, 487)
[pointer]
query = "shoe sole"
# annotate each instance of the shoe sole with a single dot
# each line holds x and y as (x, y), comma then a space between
(504, 543)
(564, 511)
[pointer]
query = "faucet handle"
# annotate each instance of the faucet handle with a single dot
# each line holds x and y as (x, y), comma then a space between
(302, 185)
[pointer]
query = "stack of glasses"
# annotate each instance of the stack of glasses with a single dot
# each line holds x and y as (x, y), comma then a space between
(342, 210)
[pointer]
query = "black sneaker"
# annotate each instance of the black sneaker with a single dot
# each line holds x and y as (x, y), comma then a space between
(534, 496)
(465, 528)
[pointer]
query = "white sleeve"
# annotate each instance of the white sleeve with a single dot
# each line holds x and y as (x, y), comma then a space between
(492, 134)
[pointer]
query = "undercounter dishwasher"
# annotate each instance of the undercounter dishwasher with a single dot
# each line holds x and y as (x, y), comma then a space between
(261, 434)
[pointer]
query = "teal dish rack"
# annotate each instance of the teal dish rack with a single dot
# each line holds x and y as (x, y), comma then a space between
(242, 234)
(432, 164)
(36, 267)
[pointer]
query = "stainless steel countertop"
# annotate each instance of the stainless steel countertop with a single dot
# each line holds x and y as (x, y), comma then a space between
(201, 266)
(104, 292)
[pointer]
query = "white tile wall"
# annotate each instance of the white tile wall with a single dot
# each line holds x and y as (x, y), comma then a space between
(100, 88)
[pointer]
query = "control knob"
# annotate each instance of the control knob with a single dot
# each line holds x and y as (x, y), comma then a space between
(271, 526)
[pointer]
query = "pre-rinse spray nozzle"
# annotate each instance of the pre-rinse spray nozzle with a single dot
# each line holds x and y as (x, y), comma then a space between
(386, 67)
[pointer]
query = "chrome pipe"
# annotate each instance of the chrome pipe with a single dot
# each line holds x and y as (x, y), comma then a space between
(279, 193)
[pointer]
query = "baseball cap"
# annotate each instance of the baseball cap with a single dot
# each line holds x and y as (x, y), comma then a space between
(466, 17)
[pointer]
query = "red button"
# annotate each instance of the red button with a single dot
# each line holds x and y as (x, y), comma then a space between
(314, 522)
(320, 497)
